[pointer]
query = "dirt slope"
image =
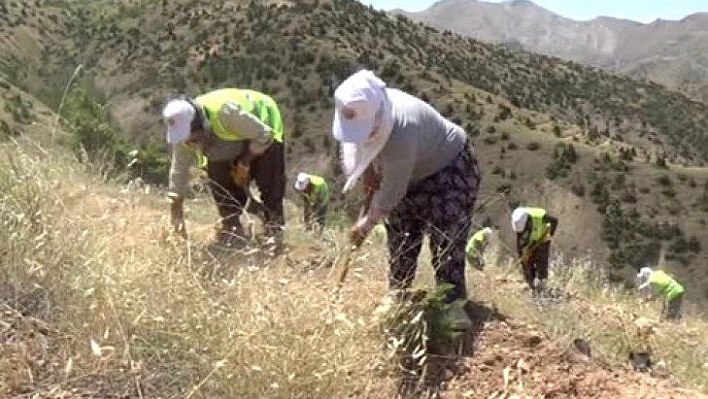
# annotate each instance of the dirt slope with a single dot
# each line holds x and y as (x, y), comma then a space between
(500, 358)
(513, 359)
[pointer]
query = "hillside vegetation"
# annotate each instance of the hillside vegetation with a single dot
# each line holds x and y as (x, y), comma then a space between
(598, 150)
(297, 50)
(669, 52)
(97, 301)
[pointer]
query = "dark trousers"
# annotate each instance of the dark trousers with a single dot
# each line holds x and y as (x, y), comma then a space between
(268, 171)
(315, 214)
(537, 266)
(672, 309)
(441, 206)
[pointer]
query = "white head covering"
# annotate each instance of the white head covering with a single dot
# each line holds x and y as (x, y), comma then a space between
(518, 219)
(643, 277)
(302, 180)
(488, 232)
(178, 116)
(361, 108)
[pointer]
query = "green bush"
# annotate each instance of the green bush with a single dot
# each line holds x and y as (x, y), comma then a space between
(664, 180)
(564, 156)
(96, 141)
(490, 140)
(578, 189)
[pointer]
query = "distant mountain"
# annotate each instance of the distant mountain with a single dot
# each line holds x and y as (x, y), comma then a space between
(673, 53)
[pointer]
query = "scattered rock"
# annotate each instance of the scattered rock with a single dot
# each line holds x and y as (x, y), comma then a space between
(582, 346)
(641, 361)
(534, 340)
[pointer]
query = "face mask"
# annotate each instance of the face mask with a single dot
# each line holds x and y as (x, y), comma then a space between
(356, 157)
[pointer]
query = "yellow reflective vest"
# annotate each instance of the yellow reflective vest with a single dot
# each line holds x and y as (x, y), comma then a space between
(539, 229)
(320, 193)
(476, 242)
(665, 285)
(258, 104)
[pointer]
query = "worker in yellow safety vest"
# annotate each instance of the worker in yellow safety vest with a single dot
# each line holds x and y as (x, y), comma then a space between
(665, 286)
(315, 195)
(476, 247)
(237, 135)
(534, 228)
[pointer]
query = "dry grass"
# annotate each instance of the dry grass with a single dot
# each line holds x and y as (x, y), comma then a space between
(614, 320)
(95, 300)
(130, 312)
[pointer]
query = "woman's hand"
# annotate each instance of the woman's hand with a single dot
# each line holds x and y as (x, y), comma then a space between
(363, 227)
(177, 215)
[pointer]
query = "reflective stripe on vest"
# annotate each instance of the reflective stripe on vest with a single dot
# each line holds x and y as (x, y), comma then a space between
(665, 285)
(539, 229)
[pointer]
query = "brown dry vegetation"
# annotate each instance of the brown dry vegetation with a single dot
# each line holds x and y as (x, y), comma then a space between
(98, 302)
(519, 108)
(642, 51)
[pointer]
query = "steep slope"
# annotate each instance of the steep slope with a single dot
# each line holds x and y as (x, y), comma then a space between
(23, 117)
(29, 30)
(524, 25)
(668, 52)
(156, 50)
(522, 109)
(97, 302)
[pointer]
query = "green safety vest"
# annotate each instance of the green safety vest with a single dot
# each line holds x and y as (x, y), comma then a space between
(665, 285)
(253, 102)
(539, 229)
(321, 190)
(475, 242)
(250, 101)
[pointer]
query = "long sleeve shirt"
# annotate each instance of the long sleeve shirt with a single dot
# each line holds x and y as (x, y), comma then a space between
(255, 133)
(421, 143)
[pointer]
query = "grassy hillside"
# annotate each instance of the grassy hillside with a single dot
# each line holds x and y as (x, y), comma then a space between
(96, 301)
(621, 196)
(298, 50)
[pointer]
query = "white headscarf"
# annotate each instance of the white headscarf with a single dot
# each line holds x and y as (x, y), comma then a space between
(367, 93)
(357, 157)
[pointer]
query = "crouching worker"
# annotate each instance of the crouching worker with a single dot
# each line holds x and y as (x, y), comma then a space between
(315, 195)
(239, 135)
(476, 246)
(534, 229)
(426, 180)
(664, 285)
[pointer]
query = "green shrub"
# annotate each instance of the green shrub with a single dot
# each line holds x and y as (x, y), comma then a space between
(578, 189)
(533, 146)
(490, 140)
(664, 180)
(669, 192)
(564, 156)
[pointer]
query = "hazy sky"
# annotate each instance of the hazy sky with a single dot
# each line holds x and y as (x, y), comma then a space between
(581, 10)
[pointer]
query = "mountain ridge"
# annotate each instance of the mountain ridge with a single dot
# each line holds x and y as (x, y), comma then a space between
(636, 49)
